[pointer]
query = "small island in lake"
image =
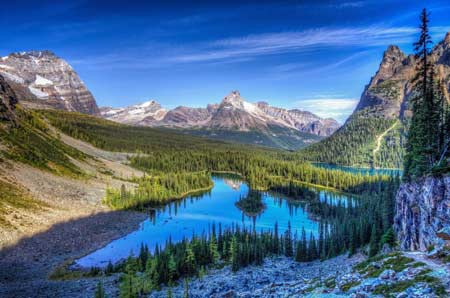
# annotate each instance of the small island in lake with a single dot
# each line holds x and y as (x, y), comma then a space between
(251, 204)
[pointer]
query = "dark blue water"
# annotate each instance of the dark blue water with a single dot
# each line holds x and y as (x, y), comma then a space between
(363, 171)
(196, 215)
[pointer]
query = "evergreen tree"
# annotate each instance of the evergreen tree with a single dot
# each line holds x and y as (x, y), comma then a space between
(373, 245)
(425, 136)
(234, 253)
(186, 288)
(276, 243)
(100, 291)
(213, 249)
(172, 268)
(169, 293)
(388, 237)
(288, 248)
(190, 260)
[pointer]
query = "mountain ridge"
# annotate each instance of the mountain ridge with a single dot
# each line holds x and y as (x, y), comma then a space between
(232, 113)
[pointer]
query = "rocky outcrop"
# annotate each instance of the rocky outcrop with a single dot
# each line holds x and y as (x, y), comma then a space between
(8, 101)
(303, 121)
(187, 117)
(388, 93)
(423, 213)
(47, 81)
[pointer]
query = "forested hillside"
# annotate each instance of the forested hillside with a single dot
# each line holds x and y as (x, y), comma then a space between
(363, 141)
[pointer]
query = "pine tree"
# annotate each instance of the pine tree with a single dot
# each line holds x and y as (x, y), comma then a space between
(186, 288)
(127, 288)
(288, 249)
(213, 249)
(388, 237)
(100, 291)
(373, 244)
(312, 248)
(422, 145)
(190, 261)
(276, 243)
(169, 293)
(234, 253)
(172, 269)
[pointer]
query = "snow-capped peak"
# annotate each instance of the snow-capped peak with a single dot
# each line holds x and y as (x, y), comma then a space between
(234, 100)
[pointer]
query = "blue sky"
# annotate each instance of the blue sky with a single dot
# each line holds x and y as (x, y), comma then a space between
(314, 55)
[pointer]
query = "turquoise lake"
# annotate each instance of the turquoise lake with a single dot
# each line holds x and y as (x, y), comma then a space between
(356, 170)
(194, 215)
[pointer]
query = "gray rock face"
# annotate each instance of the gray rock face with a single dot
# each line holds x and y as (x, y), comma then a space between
(422, 211)
(303, 121)
(50, 82)
(187, 117)
(8, 101)
(388, 93)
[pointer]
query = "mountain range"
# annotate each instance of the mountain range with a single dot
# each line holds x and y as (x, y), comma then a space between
(233, 119)
(233, 113)
(43, 80)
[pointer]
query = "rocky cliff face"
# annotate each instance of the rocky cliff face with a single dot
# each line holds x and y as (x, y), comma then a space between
(388, 93)
(233, 113)
(303, 121)
(8, 101)
(47, 81)
(187, 117)
(422, 217)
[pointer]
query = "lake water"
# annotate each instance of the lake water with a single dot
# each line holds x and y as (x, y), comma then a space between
(363, 171)
(195, 215)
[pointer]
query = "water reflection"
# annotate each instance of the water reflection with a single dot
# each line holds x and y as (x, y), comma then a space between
(195, 215)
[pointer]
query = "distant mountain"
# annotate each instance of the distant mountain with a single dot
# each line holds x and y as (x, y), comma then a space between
(375, 134)
(233, 119)
(141, 114)
(46, 81)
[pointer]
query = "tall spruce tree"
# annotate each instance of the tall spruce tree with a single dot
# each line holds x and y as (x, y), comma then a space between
(417, 159)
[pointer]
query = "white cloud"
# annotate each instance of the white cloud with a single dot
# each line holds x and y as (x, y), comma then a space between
(297, 41)
(250, 47)
(337, 108)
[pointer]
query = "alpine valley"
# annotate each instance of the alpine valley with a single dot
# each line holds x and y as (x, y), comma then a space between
(235, 199)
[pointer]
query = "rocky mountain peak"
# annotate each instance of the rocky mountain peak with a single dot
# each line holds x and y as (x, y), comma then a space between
(234, 98)
(35, 54)
(447, 39)
(50, 81)
(392, 58)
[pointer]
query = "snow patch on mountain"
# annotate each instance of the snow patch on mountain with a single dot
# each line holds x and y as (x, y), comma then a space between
(39, 94)
(41, 81)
